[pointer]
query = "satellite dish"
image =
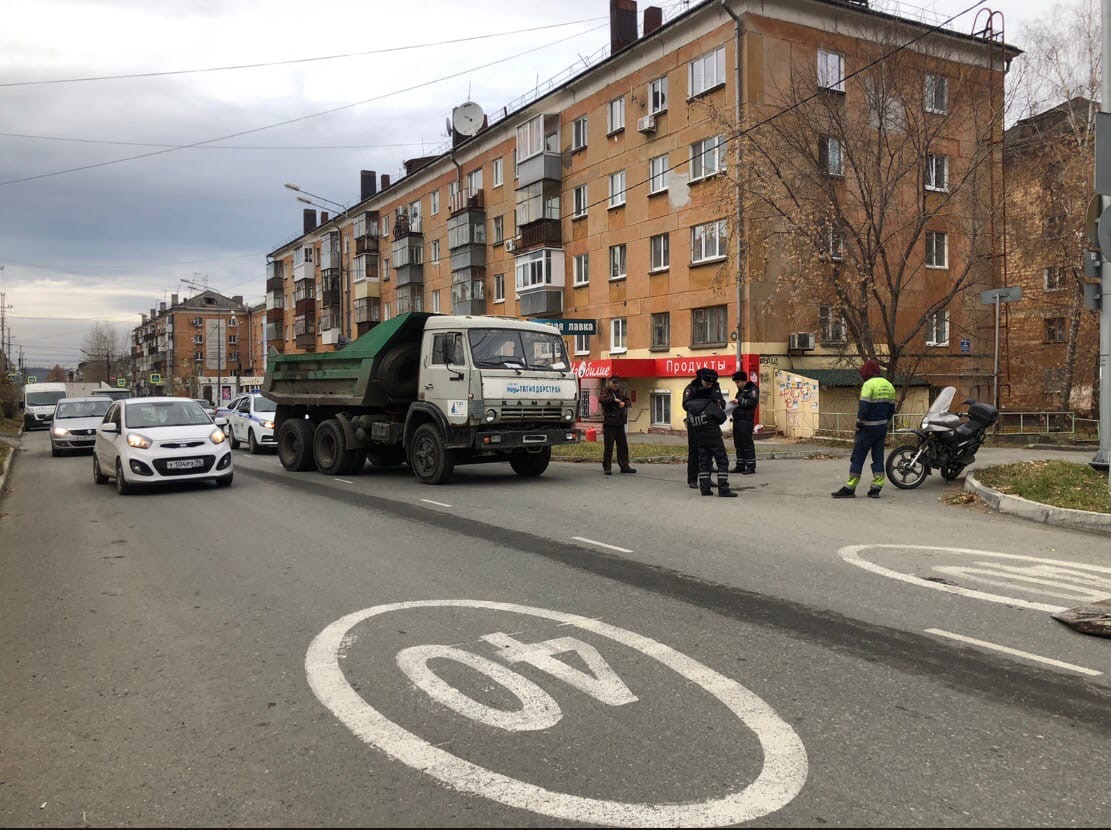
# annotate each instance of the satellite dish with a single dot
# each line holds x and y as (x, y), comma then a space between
(467, 118)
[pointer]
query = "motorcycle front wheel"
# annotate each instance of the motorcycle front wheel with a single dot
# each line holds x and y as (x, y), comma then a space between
(903, 471)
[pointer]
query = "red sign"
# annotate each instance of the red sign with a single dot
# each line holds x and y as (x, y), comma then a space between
(661, 367)
(687, 367)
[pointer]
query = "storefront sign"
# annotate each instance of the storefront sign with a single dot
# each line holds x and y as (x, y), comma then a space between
(658, 367)
(572, 326)
(680, 367)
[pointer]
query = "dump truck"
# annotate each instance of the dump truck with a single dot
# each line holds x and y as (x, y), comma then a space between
(428, 390)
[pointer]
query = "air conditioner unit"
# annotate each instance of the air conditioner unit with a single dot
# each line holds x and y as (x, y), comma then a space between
(511, 245)
(647, 124)
(801, 341)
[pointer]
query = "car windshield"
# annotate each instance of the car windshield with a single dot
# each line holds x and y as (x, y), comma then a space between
(513, 349)
(263, 404)
(166, 414)
(203, 403)
(81, 409)
(44, 398)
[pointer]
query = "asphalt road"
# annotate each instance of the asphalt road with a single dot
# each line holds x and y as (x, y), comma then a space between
(306, 650)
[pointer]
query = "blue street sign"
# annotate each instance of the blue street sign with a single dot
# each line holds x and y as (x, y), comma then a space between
(966, 346)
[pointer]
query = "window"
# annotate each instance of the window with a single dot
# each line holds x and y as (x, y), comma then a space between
(1055, 330)
(707, 72)
(539, 269)
(831, 71)
(530, 139)
(708, 325)
(1054, 279)
(708, 241)
(836, 248)
(581, 268)
(514, 165)
(582, 344)
(1054, 225)
(937, 94)
(937, 328)
(657, 95)
(436, 302)
(385, 269)
(387, 313)
(435, 198)
(581, 202)
(659, 252)
(657, 174)
(707, 157)
(578, 133)
(386, 225)
(474, 181)
(661, 409)
(937, 172)
(617, 189)
(617, 262)
(937, 253)
(615, 116)
(498, 230)
(619, 335)
(499, 172)
(435, 251)
(499, 288)
(831, 325)
(829, 156)
(661, 330)
(414, 215)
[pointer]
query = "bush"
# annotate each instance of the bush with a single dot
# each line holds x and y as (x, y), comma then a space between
(9, 399)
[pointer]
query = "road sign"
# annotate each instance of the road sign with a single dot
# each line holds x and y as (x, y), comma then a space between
(572, 326)
(33, 379)
(121, 382)
(1003, 295)
(966, 345)
(155, 379)
(1103, 233)
(1103, 153)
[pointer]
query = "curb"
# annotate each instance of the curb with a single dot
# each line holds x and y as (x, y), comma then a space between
(1038, 512)
(8, 464)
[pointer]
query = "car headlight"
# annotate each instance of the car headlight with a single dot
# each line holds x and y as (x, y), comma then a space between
(138, 441)
(217, 436)
(60, 431)
(568, 414)
(491, 415)
(267, 424)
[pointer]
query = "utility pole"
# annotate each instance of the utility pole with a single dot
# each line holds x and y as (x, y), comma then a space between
(1102, 460)
(5, 345)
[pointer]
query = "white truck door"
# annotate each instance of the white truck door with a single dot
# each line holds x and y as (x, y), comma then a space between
(444, 375)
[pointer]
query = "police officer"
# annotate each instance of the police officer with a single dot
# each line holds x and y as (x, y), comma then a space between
(877, 406)
(705, 415)
(692, 448)
(744, 423)
(615, 414)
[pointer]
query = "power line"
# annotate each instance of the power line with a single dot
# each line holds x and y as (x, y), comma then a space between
(300, 60)
(217, 146)
(299, 118)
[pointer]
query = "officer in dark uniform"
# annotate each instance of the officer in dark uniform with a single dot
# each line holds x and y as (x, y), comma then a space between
(615, 414)
(744, 423)
(705, 415)
(692, 449)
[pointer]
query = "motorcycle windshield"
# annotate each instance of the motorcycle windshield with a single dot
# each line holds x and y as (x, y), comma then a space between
(941, 405)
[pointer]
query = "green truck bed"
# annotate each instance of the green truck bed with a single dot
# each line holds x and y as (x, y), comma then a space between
(351, 377)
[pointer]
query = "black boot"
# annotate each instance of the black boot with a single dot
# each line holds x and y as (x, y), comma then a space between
(844, 493)
(737, 468)
(724, 491)
(704, 486)
(873, 492)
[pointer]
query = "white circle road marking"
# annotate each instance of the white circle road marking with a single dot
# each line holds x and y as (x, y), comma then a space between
(852, 555)
(780, 780)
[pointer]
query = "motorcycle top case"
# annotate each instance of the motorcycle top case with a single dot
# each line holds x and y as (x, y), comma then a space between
(983, 414)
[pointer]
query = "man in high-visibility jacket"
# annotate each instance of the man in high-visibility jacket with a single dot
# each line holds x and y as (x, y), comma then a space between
(877, 406)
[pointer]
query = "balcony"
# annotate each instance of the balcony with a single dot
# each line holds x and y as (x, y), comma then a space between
(303, 271)
(329, 257)
(544, 165)
(466, 200)
(274, 283)
(545, 233)
(305, 306)
(541, 303)
(404, 226)
(367, 244)
(468, 297)
(275, 315)
(275, 300)
(307, 341)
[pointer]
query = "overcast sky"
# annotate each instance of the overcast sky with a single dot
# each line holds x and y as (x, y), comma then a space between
(108, 243)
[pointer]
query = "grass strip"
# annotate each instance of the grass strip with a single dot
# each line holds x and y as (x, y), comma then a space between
(1056, 483)
(592, 451)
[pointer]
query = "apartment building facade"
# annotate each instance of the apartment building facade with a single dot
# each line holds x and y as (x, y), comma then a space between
(606, 206)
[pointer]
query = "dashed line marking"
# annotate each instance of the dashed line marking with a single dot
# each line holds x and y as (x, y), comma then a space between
(1014, 651)
(437, 503)
(600, 544)
(344, 480)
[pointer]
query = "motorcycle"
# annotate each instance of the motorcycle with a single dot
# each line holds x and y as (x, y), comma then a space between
(947, 442)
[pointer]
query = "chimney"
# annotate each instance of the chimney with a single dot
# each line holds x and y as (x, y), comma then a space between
(153, 313)
(385, 180)
(368, 184)
(173, 300)
(237, 299)
(162, 307)
(323, 216)
(623, 24)
(309, 219)
(653, 19)
(144, 317)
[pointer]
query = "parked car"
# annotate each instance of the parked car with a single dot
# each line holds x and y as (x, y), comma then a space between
(75, 423)
(251, 422)
(208, 407)
(117, 394)
(144, 441)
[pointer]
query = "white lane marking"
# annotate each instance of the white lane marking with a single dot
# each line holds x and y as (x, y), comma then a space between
(1014, 651)
(781, 779)
(852, 555)
(437, 503)
(344, 480)
(600, 544)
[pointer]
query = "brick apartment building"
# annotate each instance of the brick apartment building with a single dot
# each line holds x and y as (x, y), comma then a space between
(606, 203)
(205, 346)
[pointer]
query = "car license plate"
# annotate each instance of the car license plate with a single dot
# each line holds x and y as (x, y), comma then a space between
(184, 464)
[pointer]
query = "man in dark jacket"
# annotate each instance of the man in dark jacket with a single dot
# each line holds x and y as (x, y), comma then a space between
(615, 414)
(877, 407)
(705, 415)
(692, 448)
(744, 422)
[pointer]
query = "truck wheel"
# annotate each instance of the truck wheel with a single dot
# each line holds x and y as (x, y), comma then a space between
(431, 461)
(399, 371)
(530, 464)
(329, 445)
(386, 457)
(295, 445)
(355, 461)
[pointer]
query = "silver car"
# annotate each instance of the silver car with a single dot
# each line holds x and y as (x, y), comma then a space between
(75, 423)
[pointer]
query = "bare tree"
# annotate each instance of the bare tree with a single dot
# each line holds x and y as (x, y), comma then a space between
(103, 350)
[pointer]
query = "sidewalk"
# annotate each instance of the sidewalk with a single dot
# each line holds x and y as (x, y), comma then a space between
(773, 446)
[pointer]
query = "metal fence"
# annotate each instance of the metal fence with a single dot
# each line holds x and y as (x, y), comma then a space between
(843, 424)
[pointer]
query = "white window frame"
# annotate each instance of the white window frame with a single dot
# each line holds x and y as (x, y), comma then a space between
(937, 172)
(619, 262)
(499, 171)
(615, 115)
(617, 194)
(831, 71)
(703, 153)
(831, 325)
(582, 344)
(830, 147)
(619, 335)
(660, 243)
(581, 202)
(580, 268)
(932, 238)
(659, 174)
(579, 133)
(435, 303)
(1057, 283)
(435, 251)
(662, 401)
(497, 230)
(474, 181)
(937, 328)
(836, 248)
(936, 86)
(434, 198)
(706, 72)
(710, 312)
(708, 241)
(530, 139)
(657, 95)
(499, 288)
(652, 330)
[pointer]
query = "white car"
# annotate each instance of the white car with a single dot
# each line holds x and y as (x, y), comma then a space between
(158, 440)
(75, 423)
(251, 422)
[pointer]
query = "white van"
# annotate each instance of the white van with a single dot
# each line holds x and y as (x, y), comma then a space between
(39, 400)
